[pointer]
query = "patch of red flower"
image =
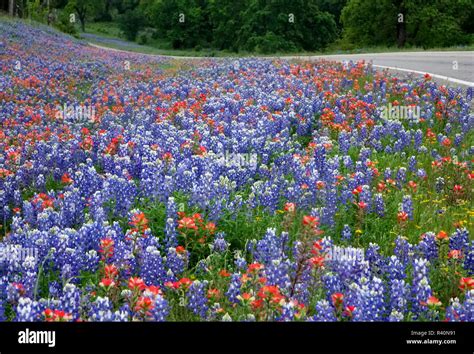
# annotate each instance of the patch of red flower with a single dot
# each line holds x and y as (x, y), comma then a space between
(136, 283)
(139, 222)
(106, 248)
(56, 316)
(466, 284)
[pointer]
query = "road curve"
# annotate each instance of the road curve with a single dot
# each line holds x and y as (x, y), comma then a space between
(456, 67)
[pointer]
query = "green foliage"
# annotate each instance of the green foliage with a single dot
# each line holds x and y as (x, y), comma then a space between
(64, 24)
(271, 26)
(369, 22)
(131, 23)
(285, 25)
(426, 24)
(36, 11)
(85, 10)
(249, 25)
(440, 24)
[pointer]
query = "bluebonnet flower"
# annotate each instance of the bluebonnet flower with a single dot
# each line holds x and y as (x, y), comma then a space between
(454, 310)
(171, 239)
(3, 316)
(240, 263)
(161, 309)
(71, 300)
(176, 261)
(123, 314)
(467, 314)
(399, 295)
(396, 316)
(27, 310)
(369, 299)
(421, 289)
(101, 310)
(412, 163)
(421, 173)
(403, 250)
(401, 176)
(366, 197)
(324, 312)
(152, 269)
(29, 275)
(288, 311)
(395, 269)
(330, 208)
(375, 259)
(269, 247)
(439, 184)
(220, 244)
(428, 247)
(333, 284)
(469, 260)
(418, 139)
(407, 206)
(346, 233)
(278, 273)
(344, 143)
(379, 204)
(234, 288)
(197, 299)
(459, 240)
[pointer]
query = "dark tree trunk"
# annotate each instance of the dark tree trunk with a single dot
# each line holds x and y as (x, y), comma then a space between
(81, 12)
(401, 34)
(83, 23)
(11, 7)
(401, 27)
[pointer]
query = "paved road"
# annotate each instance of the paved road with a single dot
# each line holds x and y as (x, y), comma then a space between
(441, 65)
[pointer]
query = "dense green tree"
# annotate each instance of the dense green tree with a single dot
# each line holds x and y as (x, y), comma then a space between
(280, 25)
(225, 17)
(423, 23)
(131, 22)
(185, 23)
(85, 10)
(368, 22)
(287, 25)
(334, 7)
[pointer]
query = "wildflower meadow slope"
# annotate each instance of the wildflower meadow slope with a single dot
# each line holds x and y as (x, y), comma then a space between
(150, 189)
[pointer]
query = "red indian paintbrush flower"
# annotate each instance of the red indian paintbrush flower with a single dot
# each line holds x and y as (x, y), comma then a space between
(136, 283)
(432, 302)
(402, 216)
(455, 254)
(310, 220)
(187, 223)
(466, 284)
(337, 300)
(290, 207)
(442, 235)
(139, 222)
(106, 248)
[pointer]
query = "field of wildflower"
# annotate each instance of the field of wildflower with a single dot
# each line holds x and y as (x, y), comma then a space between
(140, 188)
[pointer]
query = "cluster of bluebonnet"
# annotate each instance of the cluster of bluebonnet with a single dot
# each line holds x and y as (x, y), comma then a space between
(68, 190)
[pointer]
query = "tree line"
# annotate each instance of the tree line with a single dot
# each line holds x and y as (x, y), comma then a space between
(269, 26)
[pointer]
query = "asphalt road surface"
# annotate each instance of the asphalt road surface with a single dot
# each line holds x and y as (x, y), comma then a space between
(453, 67)
(457, 67)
